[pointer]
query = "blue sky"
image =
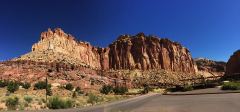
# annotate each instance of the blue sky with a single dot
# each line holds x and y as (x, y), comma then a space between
(208, 28)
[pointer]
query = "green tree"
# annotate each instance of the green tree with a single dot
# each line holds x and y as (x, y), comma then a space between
(120, 90)
(49, 91)
(41, 85)
(74, 95)
(3, 83)
(106, 89)
(69, 87)
(26, 85)
(78, 90)
(146, 89)
(12, 87)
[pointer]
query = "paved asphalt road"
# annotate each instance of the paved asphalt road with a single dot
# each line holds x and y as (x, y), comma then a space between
(171, 103)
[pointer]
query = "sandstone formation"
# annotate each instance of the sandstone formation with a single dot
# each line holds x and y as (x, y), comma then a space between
(210, 68)
(59, 46)
(233, 64)
(149, 52)
(130, 61)
(127, 52)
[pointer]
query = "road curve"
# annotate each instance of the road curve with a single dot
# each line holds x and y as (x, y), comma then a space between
(170, 103)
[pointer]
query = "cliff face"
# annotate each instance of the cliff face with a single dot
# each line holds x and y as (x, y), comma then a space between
(127, 52)
(59, 46)
(233, 64)
(148, 52)
(209, 68)
(130, 60)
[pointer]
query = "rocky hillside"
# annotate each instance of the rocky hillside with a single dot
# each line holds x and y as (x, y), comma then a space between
(233, 64)
(209, 68)
(80, 63)
(32, 71)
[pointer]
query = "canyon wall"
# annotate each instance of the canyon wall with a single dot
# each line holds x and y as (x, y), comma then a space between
(130, 60)
(59, 42)
(233, 64)
(149, 52)
(127, 52)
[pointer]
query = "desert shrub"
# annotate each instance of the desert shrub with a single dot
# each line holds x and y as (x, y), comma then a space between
(22, 106)
(211, 85)
(41, 85)
(12, 103)
(69, 87)
(43, 100)
(106, 89)
(26, 85)
(200, 87)
(92, 81)
(78, 90)
(12, 86)
(207, 84)
(175, 89)
(57, 103)
(49, 91)
(20, 83)
(93, 99)
(146, 89)
(68, 103)
(181, 88)
(120, 90)
(3, 83)
(231, 86)
(187, 88)
(28, 99)
(74, 95)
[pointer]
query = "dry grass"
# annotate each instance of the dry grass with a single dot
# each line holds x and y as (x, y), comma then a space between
(134, 91)
(38, 98)
(36, 95)
(158, 90)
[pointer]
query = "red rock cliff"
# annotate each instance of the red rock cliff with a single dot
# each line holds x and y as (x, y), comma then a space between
(61, 47)
(233, 64)
(148, 52)
(127, 52)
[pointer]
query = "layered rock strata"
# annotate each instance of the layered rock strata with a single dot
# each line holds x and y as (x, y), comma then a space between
(127, 52)
(130, 61)
(149, 52)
